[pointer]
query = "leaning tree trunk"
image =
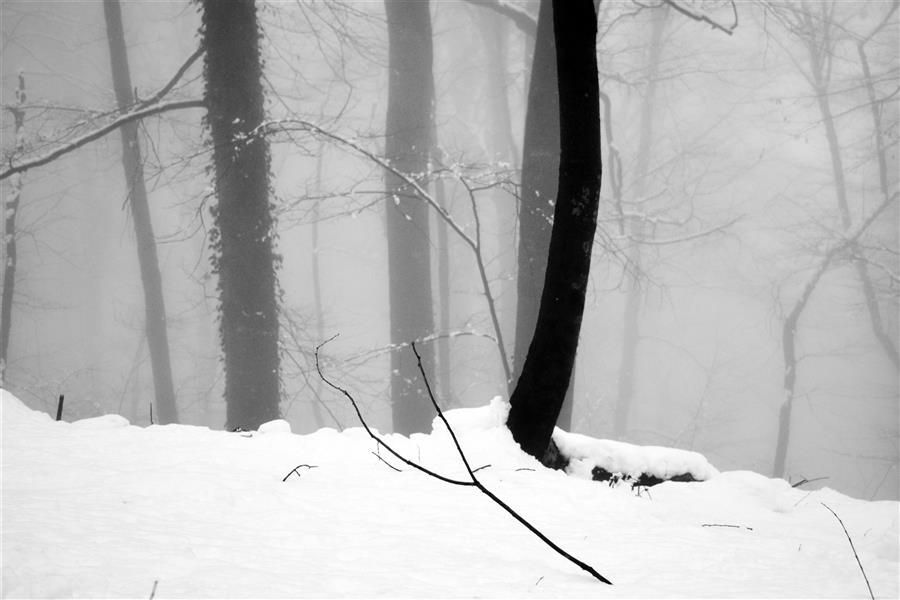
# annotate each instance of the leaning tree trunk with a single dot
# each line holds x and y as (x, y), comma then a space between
(13, 199)
(244, 228)
(540, 170)
(541, 389)
(154, 303)
(407, 145)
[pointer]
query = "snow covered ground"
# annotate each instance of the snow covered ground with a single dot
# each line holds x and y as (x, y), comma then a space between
(99, 508)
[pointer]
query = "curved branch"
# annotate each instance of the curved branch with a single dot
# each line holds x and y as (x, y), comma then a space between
(696, 16)
(97, 134)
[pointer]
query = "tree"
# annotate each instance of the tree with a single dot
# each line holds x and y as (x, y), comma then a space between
(407, 147)
(540, 166)
(13, 200)
(544, 380)
(243, 235)
(154, 302)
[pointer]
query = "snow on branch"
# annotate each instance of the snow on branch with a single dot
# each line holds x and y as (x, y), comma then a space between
(287, 125)
(144, 108)
(521, 18)
(473, 480)
(87, 138)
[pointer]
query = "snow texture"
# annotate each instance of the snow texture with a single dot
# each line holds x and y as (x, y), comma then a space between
(99, 508)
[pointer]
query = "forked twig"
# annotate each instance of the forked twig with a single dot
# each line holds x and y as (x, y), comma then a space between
(852, 547)
(295, 470)
(474, 480)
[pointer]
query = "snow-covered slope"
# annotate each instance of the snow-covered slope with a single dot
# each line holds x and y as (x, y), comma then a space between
(99, 508)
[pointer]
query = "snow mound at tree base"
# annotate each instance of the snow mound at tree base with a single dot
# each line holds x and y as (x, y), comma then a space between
(608, 460)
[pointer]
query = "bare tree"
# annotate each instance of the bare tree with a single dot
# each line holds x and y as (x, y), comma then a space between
(13, 199)
(542, 385)
(154, 302)
(243, 234)
(407, 147)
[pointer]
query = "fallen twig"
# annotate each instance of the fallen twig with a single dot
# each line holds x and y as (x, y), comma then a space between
(153, 591)
(473, 480)
(59, 407)
(726, 525)
(852, 547)
(804, 481)
(294, 470)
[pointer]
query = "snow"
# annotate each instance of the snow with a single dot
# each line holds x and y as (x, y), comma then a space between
(629, 460)
(101, 508)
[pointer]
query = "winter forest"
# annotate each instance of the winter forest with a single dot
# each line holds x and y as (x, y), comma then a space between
(671, 223)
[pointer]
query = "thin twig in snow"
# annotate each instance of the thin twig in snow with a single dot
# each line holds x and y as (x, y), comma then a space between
(852, 547)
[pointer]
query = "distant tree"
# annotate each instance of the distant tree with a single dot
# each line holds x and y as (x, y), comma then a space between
(154, 303)
(634, 296)
(541, 388)
(11, 210)
(407, 147)
(243, 230)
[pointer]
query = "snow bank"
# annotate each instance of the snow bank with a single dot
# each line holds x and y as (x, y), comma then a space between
(101, 509)
(627, 460)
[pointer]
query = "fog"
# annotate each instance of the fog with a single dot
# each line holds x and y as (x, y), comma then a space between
(712, 232)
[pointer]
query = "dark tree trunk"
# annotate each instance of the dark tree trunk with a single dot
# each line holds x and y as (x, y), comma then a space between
(542, 385)
(11, 211)
(154, 303)
(407, 146)
(243, 238)
(540, 171)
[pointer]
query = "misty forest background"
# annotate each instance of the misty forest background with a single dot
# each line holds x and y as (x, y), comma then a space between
(745, 260)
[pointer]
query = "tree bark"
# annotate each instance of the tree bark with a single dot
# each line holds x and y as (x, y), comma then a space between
(542, 385)
(407, 145)
(540, 170)
(154, 302)
(244, 229)
(10, 259)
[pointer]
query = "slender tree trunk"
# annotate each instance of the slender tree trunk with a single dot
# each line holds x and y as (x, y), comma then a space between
(407, 145)
(317, 287)
(501, 149)
(154, 302)
(10, 259)
(542, 385)
(443, 345)
(634, 297)
(243, 239)
(540, 171)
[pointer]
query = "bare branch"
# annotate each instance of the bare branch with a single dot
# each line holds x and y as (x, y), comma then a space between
(99, 133)
(852, 547)
(521, 18)
(286, 124)
(696, 16)
(174, 80)
(487, 492)
(687, 238)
